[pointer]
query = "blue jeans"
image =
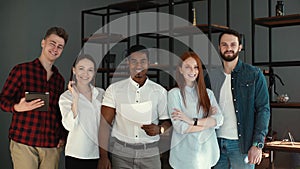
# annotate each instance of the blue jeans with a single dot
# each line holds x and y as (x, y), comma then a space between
(231, 156)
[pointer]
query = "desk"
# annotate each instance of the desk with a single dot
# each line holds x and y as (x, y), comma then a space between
(281, 146)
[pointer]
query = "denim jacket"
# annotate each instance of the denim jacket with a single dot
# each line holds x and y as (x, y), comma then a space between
(251, 102)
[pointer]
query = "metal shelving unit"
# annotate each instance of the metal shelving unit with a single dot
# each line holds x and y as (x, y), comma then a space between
(270, 23)
(136, 6)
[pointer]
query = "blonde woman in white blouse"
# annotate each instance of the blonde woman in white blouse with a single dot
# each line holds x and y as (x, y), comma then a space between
(80, 108)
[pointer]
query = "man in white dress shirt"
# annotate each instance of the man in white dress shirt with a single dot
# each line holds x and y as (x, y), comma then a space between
(136, 109)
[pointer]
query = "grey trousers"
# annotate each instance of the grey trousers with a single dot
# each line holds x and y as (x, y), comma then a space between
(129, 158)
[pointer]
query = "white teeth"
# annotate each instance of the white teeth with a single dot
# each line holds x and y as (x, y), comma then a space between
(53, 53)
(84, 78)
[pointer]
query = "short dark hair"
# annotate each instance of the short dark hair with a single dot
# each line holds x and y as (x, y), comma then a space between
(57, 31)
(137, 48)
(231, 32)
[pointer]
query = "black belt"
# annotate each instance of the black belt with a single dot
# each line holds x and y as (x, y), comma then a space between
(136, 145)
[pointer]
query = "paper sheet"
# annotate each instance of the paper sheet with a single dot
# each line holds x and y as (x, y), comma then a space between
(139, 113)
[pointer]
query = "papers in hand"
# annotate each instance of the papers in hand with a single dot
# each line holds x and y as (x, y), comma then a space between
(139, 113)
(29, 96)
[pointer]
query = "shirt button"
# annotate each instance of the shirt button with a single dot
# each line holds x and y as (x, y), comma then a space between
(232, 88)
(236, 111)
(238, 123)
(234, 100)
(136, 101)
(240, 135)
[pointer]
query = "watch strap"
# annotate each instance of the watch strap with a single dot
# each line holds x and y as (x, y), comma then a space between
(195, 121)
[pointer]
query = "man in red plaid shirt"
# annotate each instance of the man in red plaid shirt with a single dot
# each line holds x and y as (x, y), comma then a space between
(36, 137)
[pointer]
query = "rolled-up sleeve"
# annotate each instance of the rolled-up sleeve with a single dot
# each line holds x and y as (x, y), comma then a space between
(218, 116)
(174, 102)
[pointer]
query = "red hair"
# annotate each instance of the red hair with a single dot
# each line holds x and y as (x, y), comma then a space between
(203, 99)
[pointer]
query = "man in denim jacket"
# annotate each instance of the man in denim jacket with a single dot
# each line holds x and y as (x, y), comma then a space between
(242, 93)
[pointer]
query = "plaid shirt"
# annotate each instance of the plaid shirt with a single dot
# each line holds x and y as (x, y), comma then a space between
(34, 128)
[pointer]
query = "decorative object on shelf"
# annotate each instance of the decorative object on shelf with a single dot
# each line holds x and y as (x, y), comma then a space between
(279, 8)
(283, 98)
(194, 17)
(272, 84)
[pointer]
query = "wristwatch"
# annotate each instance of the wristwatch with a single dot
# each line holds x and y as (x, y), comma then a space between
(161, 130)
(259, 145)
(195, 121)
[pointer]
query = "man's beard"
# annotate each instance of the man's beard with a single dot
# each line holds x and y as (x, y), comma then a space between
(229, 58)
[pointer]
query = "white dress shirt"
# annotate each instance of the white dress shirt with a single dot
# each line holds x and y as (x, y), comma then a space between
(127, 94)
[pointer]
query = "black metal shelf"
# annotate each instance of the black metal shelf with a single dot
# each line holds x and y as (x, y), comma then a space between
(106, 38)
(270, 23)
(278, 21)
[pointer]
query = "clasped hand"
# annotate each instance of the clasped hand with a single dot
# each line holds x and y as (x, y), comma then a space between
(151, 129)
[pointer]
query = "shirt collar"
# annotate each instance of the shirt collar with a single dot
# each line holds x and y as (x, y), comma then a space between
(238, 66)
(53, 68)
(94, 91)
(189, 89)
(135, 83)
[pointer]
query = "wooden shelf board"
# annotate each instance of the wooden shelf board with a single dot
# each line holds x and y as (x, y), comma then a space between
(282, 146)
(215, 28)
(188, 30)
(278, 21)
(278, 64)
(285, 105)
(103, 38)
(133, 5)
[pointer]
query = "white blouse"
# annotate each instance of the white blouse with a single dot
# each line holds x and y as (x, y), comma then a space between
(198, 149)
(82, 141)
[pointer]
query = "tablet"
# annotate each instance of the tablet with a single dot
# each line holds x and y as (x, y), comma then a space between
(29, 96)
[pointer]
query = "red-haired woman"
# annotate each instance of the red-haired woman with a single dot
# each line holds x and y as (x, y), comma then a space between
(195, 116)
